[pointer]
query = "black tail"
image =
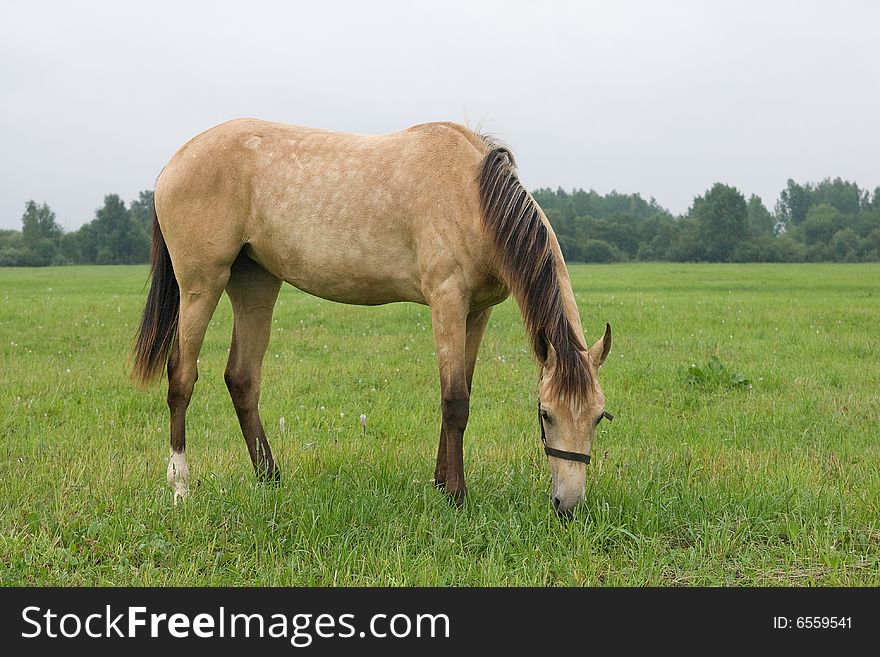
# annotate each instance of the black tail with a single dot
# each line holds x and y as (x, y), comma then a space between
(159, 319)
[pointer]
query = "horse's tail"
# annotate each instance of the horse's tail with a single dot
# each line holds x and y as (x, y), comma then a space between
(159, 319)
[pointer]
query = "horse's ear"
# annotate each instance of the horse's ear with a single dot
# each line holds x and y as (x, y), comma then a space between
(549, 360)
(599, 351)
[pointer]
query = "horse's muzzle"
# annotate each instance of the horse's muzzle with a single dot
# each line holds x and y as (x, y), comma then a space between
(564, 510)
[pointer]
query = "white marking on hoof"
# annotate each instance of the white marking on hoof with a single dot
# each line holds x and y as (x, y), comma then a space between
(178, 475)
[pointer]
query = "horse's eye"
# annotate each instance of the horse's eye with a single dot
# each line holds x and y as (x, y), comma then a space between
(546, 417)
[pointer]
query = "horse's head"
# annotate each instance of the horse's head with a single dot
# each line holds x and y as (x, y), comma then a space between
(569, 424)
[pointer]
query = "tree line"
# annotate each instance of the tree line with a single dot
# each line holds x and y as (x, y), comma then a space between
(118, 235)
(828, 221)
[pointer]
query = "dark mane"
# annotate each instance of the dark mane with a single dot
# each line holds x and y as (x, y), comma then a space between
(528, 267)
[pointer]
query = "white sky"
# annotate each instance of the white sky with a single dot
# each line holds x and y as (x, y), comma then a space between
(661, 98)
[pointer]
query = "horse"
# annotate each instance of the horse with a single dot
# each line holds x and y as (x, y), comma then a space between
(434, 214)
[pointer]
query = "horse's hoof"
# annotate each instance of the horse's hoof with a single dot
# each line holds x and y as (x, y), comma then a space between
(457, 497)
(271, 477)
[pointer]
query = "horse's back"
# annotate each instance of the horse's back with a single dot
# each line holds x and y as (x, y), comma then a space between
(349, 217)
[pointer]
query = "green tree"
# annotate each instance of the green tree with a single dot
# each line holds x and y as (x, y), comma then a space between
(113, 237)
(820, 224)
(11, 249)
(688, 246)
(601, 251)
(141, 211)
(760, 222)
(40, 235)
(72, 247)
(794, 201)
(571, 247)
(657, 237)
(870, 245)
(838, 193)
(722, 217)
(845, 246)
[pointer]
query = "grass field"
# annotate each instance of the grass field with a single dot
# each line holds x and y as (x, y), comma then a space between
(744, 449)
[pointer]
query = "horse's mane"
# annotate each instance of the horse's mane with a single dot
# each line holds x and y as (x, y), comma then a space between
(528, 266)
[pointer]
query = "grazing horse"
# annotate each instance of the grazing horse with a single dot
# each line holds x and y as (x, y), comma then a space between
(434, 214)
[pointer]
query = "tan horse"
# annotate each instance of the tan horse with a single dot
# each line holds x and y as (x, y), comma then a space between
(434, 214)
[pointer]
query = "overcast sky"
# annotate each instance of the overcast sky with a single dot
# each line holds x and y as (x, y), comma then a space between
(660, 98)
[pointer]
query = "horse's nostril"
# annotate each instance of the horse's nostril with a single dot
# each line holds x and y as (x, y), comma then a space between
(561, 512)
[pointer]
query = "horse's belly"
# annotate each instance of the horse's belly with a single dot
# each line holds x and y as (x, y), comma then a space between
(337, 275)
(365, 291)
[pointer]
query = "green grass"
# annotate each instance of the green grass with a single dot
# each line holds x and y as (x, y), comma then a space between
(761, 471)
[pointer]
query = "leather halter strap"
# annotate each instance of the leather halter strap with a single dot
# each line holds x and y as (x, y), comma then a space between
(568, 456)
(562, 454)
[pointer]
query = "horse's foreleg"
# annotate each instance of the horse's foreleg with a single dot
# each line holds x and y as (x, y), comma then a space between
(252, 291)
(449, 323)
(196, 308)
(475, 327)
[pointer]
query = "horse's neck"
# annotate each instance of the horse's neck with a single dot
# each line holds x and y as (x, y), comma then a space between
(568, 301)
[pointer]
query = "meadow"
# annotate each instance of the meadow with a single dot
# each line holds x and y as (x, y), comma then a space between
(744, 449)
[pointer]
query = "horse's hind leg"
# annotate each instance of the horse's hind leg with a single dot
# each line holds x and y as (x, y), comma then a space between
(198, 299)
(252, 291)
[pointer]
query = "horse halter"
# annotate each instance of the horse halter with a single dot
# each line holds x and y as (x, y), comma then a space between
(562, 454)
